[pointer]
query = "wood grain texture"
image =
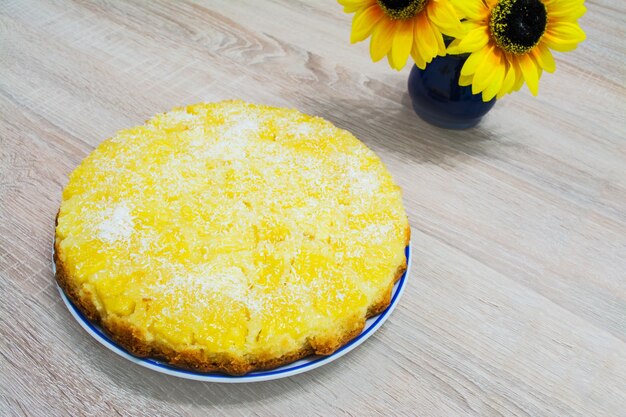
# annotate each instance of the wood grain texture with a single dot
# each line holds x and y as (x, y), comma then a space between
(516, 304)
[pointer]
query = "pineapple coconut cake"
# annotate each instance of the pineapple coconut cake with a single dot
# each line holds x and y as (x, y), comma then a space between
(231, 237)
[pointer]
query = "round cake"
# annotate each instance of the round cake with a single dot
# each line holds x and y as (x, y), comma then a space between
(231, 237)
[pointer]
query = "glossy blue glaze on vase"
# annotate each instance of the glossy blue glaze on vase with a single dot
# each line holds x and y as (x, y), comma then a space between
(440, 100)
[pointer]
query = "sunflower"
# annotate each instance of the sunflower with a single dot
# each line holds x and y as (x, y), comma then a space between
(400, 28)
(509, 41)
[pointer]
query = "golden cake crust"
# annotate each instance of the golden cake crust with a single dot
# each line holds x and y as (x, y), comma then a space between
(142, 343)
(126, 337)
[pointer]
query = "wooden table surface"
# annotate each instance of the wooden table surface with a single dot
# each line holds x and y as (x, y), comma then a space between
(516, 301)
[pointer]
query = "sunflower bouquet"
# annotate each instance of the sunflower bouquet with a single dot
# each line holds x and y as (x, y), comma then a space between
(509, 43)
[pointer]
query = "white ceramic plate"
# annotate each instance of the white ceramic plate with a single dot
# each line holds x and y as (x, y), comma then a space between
(294, 368)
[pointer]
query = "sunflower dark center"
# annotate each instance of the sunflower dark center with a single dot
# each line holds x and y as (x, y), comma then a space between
(402, 9)
(518, 25)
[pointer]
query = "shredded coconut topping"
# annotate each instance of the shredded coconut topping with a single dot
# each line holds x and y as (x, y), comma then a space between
(117, 224)
(231, 225)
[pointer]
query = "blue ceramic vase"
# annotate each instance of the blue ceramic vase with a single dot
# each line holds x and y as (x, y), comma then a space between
(439, 99)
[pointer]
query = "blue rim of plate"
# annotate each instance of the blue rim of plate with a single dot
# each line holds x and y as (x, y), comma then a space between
(294, 368)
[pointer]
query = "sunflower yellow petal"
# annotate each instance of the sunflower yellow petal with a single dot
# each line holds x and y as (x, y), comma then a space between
(417, 57)
(496, 81)
(364, 22)
(359, 3)
(519, 77)
(566, 31)
(390, 60)
(544, 57)
(530, 73)
(441, 45)
(469, 25)
(558, 45)
(453, 48)
(563, 36)
(425, 38)
(402, 43)
(437, 26)
(474, 40)
(382, 37)
(473, 61)
(508, 81)
(444, 16)
(473, 10)
(566, 10)
(465, 80)
(485, 71)
(351, 6)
